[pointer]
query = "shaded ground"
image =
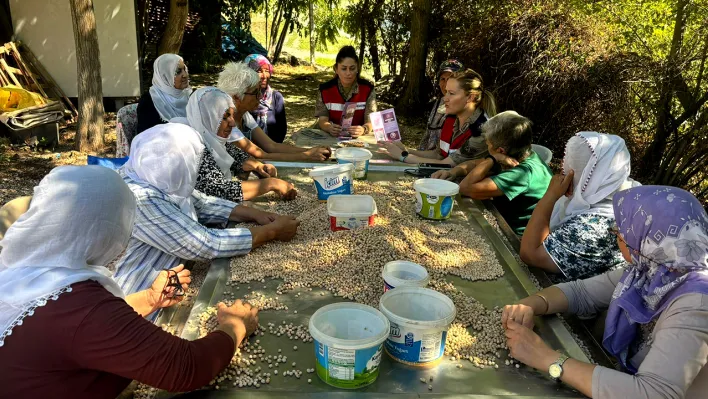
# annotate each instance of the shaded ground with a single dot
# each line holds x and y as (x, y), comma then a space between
(21, 168)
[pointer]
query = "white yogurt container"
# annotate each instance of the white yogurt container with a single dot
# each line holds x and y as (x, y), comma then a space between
(358, 156)
(348, 212)
(348, 343)
(420, 318)
(435, 198)
(333, 179)
(402, 273)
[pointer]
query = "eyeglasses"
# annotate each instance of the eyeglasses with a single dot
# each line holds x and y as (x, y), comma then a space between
(173, 281)
(615, 230)
(255, 93)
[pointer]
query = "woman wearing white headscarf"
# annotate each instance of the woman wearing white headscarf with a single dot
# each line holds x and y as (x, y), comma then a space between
(569, 234)
(168, 95)
(67, 330)
(210, 112)
(162, 172)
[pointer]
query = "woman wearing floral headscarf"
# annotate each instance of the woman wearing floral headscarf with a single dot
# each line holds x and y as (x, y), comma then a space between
(657, 320)
(436, 119)
(270, 114)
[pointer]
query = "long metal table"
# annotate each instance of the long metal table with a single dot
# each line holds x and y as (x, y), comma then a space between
(395, 378)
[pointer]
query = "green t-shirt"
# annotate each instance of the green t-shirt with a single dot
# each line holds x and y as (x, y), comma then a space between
(523, 186)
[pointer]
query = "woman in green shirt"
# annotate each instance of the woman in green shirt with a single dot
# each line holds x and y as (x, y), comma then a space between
(512, 174)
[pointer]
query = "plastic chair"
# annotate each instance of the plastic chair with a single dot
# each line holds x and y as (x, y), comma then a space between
(543, 152)
(110, 163)
(126, 127)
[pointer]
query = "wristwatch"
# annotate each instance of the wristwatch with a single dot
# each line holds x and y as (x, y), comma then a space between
(555, 370)
(404, 155)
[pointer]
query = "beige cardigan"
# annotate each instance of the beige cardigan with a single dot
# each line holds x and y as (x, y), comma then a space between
(671, 365)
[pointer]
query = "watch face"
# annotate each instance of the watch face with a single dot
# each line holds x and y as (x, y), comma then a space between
(555, 370)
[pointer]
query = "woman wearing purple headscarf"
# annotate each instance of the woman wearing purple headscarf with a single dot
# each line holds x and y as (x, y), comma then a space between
(657, 308)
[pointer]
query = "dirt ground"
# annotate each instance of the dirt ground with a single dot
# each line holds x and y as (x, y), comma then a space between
(21, 167)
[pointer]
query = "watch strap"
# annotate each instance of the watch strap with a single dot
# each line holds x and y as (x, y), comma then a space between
(562, 358)
(403, 157)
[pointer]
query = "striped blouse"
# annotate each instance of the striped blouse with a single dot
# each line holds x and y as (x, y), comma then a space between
(163, 236)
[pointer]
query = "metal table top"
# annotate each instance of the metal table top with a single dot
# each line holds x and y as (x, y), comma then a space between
(395, 378)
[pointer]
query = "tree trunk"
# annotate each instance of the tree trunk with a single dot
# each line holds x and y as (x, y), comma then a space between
(274, 28)
(89, 130)
(312, 33)
(281, 40)
(420, 14)
(663, 119)
(362, 45)
(372, 30)
(174, 31)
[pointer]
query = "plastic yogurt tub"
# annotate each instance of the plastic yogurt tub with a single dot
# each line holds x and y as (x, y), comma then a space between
(333, 179)
(402, 273)
(348, 343)
(359, 157)
(434, 198)
(420, 318)
(347, 212)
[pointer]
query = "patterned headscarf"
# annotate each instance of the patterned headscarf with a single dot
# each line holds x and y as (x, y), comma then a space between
(260, 114)
(666, 231)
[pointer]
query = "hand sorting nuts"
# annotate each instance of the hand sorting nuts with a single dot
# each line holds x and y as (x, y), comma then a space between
(348, 264)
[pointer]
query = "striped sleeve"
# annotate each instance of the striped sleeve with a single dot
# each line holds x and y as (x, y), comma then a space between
(212, 210)
(161, 225)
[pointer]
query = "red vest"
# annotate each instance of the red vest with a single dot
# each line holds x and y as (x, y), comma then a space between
(447, 144)
(334, 101)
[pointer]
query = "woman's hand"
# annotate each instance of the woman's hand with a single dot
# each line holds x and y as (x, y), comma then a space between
(356, 131)
(318, 153)
(528, 348)
(286, 190)
(519, 313)
(239, 319)
(560, 185)
(333, 129)
(390, 149)
(160, 295)
(262, 217)
(266, 170)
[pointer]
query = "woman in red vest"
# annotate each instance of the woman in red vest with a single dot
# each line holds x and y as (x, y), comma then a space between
(468, 105)
(346, 88)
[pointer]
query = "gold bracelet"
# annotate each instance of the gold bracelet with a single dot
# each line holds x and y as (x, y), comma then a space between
(544, 300)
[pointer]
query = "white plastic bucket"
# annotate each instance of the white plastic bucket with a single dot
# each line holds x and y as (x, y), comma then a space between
(435, 198)
(402, 273)
(348, 212)
(358, 156)
(348, 343)
(420, 318)
(333, 179)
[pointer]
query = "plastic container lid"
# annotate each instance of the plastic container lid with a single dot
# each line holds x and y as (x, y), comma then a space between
(418, 307)
(395, 274)
(353, 154)
(357, 206)
(440, 188)
(332, 169)
(349, 325)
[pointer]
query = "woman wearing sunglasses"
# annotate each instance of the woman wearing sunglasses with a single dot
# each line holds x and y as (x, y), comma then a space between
(657, 307)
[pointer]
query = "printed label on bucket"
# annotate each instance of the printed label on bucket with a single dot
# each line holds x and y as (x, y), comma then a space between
(387, 287)
(350, 223)
(415, 347)
(331, 186)
(347, 368)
